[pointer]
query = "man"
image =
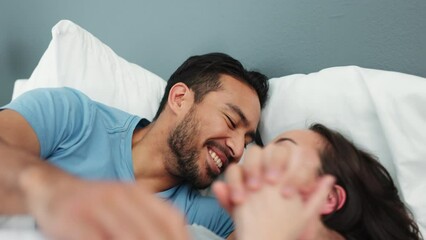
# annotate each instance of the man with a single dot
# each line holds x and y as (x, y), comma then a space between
(50, 140)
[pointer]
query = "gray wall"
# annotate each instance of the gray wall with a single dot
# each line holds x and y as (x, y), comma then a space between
(278, 37)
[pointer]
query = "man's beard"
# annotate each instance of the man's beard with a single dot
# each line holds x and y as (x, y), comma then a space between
(184, 160)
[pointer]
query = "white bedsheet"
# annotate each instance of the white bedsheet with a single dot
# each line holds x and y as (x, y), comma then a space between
(24, 228)
(19, 228)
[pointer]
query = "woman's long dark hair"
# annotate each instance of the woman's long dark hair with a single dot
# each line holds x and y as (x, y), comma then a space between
(373, 209)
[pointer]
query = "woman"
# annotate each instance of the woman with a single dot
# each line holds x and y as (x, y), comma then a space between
(363, 203)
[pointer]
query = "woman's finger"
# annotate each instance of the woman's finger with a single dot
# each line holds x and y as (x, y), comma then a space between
(275, 161)
(223, 195)
(319, 196)
(301, 172)
(253, 168)
(235, 180)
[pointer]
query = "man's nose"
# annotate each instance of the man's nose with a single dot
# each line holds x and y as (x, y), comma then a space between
(236, 145)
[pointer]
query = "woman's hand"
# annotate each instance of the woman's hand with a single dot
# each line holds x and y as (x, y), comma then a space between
(268, 203)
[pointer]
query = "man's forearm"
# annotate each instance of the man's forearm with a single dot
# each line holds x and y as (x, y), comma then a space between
(18, 173)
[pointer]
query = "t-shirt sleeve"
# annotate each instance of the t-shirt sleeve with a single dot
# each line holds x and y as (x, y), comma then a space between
(207, 212)
(57, 115)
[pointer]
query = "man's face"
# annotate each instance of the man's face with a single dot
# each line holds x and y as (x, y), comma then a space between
(214, 132)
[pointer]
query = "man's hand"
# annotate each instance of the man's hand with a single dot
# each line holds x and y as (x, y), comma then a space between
(75, 209)
(276, 192)
(69, 208)
(271, 165)
(272, 210)
(266, 214)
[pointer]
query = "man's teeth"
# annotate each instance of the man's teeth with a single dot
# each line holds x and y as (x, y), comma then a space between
(216, 159)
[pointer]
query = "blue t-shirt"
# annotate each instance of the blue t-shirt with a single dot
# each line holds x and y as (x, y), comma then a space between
(94, 141)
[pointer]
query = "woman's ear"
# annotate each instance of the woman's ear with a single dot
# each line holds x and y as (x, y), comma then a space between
(335, 200)
(180, 98)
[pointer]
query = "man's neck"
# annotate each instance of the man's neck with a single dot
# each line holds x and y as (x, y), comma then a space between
(149, 149)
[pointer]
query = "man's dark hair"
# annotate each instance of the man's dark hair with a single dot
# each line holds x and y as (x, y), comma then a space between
(201, 74)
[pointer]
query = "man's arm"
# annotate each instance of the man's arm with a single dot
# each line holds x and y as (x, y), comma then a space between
(67, 207)
(19, 150)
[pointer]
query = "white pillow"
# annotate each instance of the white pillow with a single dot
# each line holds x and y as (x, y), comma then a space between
(77, 59)
(381, 111)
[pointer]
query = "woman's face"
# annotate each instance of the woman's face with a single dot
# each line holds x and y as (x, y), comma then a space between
(304, 147)
(301, 144)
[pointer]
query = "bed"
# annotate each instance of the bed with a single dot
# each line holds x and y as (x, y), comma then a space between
(382, 111)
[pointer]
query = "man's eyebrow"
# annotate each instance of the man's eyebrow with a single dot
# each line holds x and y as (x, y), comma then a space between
(286, 139)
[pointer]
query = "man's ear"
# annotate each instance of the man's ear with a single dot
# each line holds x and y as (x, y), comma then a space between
(180, 98)
(335, 200)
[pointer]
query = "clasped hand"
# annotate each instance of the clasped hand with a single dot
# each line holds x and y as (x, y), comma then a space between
(275, 194)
